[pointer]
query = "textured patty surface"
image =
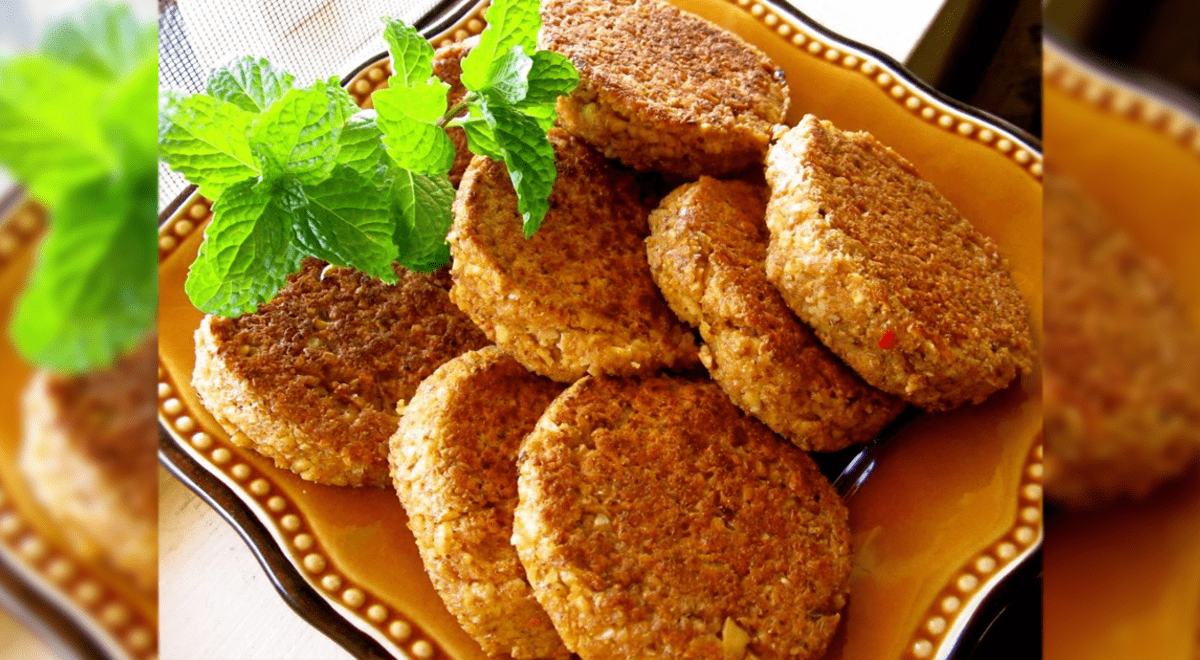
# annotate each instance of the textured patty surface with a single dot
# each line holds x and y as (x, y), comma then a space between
(313, 377)
(577, 297)
(1122, 365)
(663, 89)
(454, 464)
(707, 247)
(88, 456)
(893, 279)
(658, 521)
(447, 66)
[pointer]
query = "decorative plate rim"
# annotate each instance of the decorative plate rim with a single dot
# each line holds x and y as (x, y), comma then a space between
(366, 636)
(45, 585)
(1121, 91)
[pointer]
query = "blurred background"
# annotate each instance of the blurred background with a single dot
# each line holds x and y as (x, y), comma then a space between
(1122, 304)
(78, 493)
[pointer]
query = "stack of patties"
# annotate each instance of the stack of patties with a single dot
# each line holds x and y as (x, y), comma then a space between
(650, 514)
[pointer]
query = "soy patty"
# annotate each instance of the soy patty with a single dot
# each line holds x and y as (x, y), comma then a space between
(313, 377)
(891, 277)
(454, 465)
(1122, 365)
(87, 453)
(447, 66)
(577, 297)
(662, 89)
(656, 520)
(707, 246)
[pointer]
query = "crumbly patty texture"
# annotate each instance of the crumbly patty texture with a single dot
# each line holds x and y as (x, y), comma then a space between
(1122, 359)
(893, 279)
(454, 464)
(656, 520)
(577, 297)
(662, 89)
(313, 377)
(447, 66)
(88, 455)
(707, 247)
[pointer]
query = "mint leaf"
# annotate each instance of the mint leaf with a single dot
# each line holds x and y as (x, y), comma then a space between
(206, 140)
(251, 84)
(510, 81)
(248, 252)
(530, 160)
(412, 55)
(407, 116)
(480, 139)
(344, 220)
(345, 103)
(129, 116)
(105, 40)
(359, 146)
(297, 135)
(550, 77)
(510, 23)
(47, 137)
(421, 207)
(93, 291)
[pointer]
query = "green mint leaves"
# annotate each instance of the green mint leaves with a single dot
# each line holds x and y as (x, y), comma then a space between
(271, 157)
(77, 130)
(512, 88)
(298, 172)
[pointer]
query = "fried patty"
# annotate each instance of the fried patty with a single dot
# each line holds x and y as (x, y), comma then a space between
(447, 66)
(454, 464)
(577, 297)
(893, 279)
(312, 379)
(1122, 359)
(662, 89)
(707, 246)
(656, 520)
(88, 456)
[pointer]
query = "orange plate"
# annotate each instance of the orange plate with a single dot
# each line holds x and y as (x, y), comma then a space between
(952, 507)
(1125, 582)
(77, 603)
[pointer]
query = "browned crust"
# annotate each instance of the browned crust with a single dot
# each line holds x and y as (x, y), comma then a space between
(1122, 359)
(88, 455)
(313, 377)
(447, 66)
(663, 89)
(577, 297)
(454, 464)
(706, 247)
(862, 246)
(652, 510)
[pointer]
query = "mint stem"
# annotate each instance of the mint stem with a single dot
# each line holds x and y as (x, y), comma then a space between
(457, 109)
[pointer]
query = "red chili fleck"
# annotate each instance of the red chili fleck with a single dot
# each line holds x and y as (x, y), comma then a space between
(888, 340)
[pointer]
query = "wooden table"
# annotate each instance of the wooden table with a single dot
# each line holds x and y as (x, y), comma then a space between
(215, 600)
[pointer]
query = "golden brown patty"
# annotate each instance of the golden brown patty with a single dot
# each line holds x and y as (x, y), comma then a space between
(891, 277)
(1122, 359)
(313, 377)
(707, 246)
(454, 463)
(657, 521)
(662, 89)
(577, 297)
(447, 66)
(88, 456)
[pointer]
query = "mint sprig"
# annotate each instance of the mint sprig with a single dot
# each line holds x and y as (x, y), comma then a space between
(77, 130)
(512, 88)
(298, 172)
